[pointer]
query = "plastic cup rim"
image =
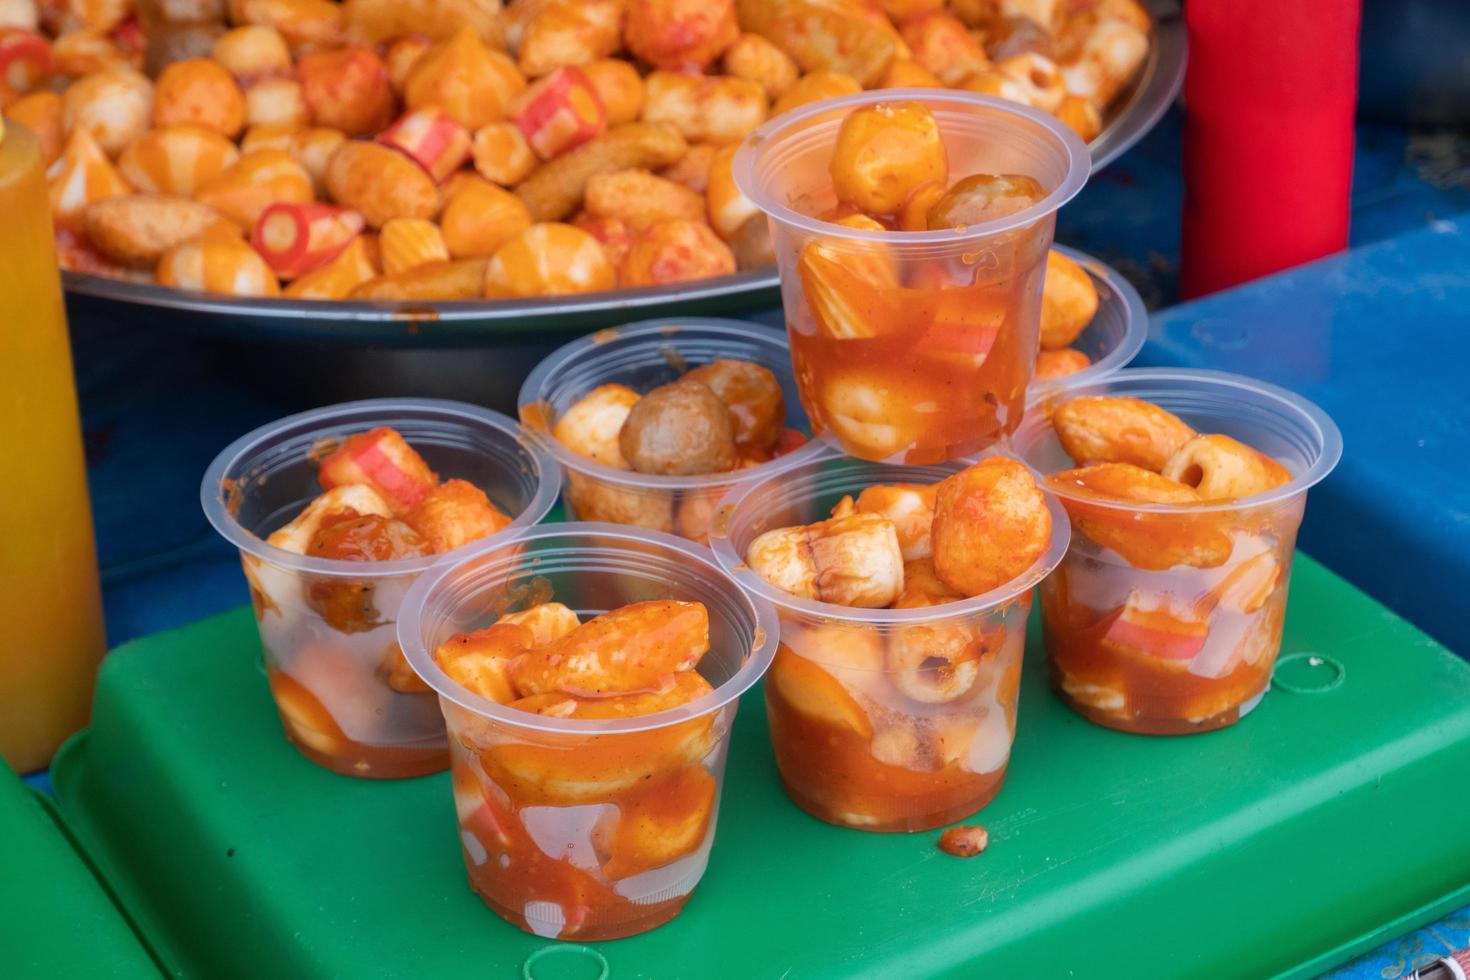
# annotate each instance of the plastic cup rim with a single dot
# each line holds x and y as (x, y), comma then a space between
(548, 486)
(661, 327)
(1078, 164)
(1135, 327)
(762, 651)
(734, 565)
(1287, 402)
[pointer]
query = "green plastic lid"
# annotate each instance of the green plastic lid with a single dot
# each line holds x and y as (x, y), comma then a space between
(1279, 846)
(56, 919)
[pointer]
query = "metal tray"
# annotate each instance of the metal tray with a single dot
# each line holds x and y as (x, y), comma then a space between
(473, 323)
(1153, 91)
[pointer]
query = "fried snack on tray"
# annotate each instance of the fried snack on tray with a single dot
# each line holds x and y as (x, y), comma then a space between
(455, 279)
(176, 160)
(676, 250)
(479, 217)
(408, 243)
(556, 189)
(137, 229)
(354, 265)
(81, 176)
(639, 199)
(815, 86)
(116, 107)
(379, 183)
(259, 179)
(217, 265)
(548, 94)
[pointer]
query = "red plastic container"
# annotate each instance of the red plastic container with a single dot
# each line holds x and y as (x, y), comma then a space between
(1268, 154)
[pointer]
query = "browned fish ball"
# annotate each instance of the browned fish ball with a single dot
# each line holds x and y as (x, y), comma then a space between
(679, 429)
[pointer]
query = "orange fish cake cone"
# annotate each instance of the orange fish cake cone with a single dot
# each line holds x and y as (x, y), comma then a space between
(549, 259)
(352, 267)
(255, 182)
(81, 176)
(176, 159)
(220, 265)
(466, 79)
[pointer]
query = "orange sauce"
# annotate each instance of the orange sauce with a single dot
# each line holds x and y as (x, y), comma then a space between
(651, 824)
(348, 605)
(1137, 677)
(830, 771)
(316, 735)
(951, 352)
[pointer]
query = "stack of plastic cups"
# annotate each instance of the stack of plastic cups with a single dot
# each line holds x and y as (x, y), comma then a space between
(913, 347)
(884, 719)
(913, 352)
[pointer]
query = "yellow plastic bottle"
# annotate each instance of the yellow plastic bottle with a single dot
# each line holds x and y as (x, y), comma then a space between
(51, 635)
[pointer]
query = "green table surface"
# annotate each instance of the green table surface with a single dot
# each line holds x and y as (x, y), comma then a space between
(1321, 825)
(57, 922)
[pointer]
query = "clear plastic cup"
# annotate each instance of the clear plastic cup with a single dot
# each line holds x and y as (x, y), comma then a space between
(1115, 335)
(1165, 619)
(577, 828)
(643, 356)
(912, 346)
(883, 719)
(346, 699)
